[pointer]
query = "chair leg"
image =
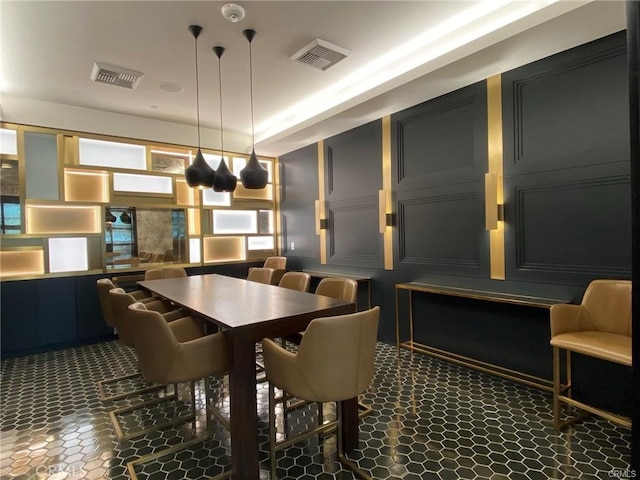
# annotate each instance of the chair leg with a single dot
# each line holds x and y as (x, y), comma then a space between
(119, 396)
(272, 430)
(184, 445)
(342, 458)
(556, 388)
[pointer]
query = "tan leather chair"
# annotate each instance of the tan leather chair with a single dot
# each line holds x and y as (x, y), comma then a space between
(295, 281)
(599, 327)
(335, 362)
(278, 264)
(104, 286)
(275, 263)
(337, 287)
(164, 359)
(184, 329)
(261, 275)
(166, 272)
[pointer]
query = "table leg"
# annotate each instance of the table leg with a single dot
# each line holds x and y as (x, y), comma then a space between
(245, 461)
(350, 424)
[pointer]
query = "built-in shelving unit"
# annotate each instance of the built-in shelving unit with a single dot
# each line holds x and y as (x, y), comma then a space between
(75, 203)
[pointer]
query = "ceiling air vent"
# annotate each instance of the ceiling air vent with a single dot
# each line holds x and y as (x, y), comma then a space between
(118, 76)
(320, 54)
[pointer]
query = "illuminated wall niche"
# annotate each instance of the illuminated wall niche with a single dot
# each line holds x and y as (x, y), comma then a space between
(86, 186)
(52, 219)
(22, 262)
(223, 249)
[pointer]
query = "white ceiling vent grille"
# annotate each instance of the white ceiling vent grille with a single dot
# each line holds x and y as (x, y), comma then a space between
(117, 76)
(320, 54)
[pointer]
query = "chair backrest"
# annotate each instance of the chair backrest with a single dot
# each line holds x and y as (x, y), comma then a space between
(275, 263)
(336, 287)
(337, 354)
(155, 343)
(165, 272)
(296, 281)
(608, 303)
(120, 301)
(261, 275)
(104, 285)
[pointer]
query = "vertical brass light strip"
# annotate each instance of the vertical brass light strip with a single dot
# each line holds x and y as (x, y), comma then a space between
(277, 200)
(22, 179)
(386, 185)
(495, 154)
(322, 202)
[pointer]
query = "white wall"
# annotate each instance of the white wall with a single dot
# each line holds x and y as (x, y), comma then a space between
(29, 111)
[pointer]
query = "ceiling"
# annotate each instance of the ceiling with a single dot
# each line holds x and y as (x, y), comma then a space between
(49, 48)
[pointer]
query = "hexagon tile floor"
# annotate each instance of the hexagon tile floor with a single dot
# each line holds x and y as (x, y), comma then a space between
(430, 420)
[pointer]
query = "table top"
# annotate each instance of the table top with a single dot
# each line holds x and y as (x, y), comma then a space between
(502, 297)
(234, 302)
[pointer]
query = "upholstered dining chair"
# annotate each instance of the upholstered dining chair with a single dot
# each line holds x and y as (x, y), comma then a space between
(295, 281)
(104, 286)
(275, 263)
(165, 272)
(185, 328)
(599, 327)
(335, 362)
(165, 359)
(338, 287)
(261, 275)
(278, 264)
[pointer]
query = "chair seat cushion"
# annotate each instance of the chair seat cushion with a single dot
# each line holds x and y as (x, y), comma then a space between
(606, 346)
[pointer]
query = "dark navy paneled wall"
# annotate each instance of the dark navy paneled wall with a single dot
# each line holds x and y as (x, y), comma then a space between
(567, 205)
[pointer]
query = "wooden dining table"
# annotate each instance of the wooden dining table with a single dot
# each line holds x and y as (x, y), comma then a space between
(248, 312)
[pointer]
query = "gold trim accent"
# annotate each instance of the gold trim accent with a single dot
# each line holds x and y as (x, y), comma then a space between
(495, 166)
(412, 345)
(485, 367)
(103, 395)
(387, 187)
(321, 202)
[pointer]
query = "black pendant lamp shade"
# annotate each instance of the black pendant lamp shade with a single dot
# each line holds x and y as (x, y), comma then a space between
(199, 174)
(253, 175)
(225, 181)
(110, 217)
(125, 218)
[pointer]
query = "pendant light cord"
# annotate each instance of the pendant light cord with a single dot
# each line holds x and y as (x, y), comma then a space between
(221, 128)
(197, 91)
(253, 135)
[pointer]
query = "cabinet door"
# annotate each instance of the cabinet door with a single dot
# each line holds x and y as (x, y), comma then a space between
(56, 302)
(19, 314)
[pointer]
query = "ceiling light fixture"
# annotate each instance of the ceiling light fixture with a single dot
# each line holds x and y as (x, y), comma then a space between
(253, 175)
(225, 181)
(199, 174)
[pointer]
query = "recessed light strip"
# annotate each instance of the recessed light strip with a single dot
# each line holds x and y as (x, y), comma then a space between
(472, 24)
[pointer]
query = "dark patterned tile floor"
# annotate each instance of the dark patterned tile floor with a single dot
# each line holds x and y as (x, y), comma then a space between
(430, 420)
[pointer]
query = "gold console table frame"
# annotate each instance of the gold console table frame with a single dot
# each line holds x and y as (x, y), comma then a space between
(514, 299)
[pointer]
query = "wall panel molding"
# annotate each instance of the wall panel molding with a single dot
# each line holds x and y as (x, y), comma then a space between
(451, 238)
(568, 110)
(573, 227)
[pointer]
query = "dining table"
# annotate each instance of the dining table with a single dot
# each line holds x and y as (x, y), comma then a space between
(248, 312)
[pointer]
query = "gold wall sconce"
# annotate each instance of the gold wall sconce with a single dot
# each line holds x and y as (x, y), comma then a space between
(494, 202)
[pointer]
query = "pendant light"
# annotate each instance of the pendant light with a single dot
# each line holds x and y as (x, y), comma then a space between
(125, 218)
(109, 217)
(199, 174)
(253, 175)
(225, 181)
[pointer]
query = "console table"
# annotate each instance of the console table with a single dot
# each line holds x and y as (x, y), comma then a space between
(523, 300)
